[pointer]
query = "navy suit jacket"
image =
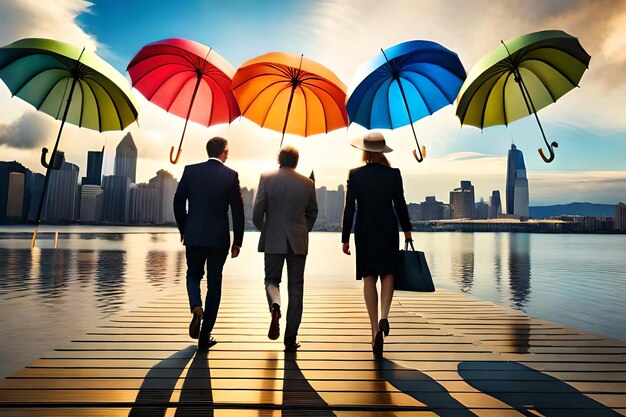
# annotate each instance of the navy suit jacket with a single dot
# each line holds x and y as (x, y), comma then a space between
(210, 188)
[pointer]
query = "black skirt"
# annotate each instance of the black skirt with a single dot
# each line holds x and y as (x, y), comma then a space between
(376, 253)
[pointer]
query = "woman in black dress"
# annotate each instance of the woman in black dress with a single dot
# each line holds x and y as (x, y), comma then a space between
(375, 193)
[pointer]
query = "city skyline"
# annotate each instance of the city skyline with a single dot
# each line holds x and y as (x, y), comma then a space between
(588, 166)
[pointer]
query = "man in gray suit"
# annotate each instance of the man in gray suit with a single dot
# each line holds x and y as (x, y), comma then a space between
(284, 211)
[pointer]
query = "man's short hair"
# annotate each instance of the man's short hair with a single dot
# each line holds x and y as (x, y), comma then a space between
(288, 157)
(215, 146)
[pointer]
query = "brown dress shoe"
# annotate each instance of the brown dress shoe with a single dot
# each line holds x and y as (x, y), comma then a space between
(196, 319)
(274, 331)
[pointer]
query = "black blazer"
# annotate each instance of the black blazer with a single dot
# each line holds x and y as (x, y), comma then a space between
(378, 193)
(210, 188)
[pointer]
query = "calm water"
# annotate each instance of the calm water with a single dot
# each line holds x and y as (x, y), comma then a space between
(50, 296)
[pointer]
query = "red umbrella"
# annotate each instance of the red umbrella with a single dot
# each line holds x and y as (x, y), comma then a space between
(187, 79)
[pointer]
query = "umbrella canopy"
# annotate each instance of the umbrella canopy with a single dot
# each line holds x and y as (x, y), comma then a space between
(522, 76)
(42, 71)
(290, 94)
(403, 84)
(187, 79)
(71, 85)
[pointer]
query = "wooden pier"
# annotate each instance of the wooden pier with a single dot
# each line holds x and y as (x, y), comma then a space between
(448, 354)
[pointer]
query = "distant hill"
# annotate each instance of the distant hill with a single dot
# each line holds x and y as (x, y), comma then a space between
(573, 209)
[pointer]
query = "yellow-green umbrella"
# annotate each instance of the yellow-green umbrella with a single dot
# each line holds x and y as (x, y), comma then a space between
(70, 84)
(522, 76)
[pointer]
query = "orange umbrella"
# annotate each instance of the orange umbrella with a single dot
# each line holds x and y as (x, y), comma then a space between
(290, 94)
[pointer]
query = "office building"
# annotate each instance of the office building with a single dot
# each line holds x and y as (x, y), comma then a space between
(14, 192)
(62, 194)
(144, 204)
(431, 209)
(36, 190)
(116, 205)
(620, 217)
(166, 185)
(462, 201)
(481, 210)
(516, 184)
(495, 205)
(91, 203)
(126, 158)
(94, 168)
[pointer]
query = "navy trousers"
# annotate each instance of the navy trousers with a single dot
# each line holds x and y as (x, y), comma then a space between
(213, 258)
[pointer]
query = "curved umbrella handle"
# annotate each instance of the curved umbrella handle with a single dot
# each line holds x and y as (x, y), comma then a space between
(44, 152)
(172, 159)
(422, 154)
(551, 150)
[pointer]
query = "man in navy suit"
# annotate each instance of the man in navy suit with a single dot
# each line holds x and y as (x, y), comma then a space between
(210, 188)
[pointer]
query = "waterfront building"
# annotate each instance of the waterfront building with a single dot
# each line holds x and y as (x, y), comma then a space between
(91, 202)
(94, 168)
(431, 209)
(36, 189)
(126, 158)
(166, 185)
(14, 192)
(462, 201)
(415, 212)
(495, 205)
(62, 194)
(620, 217)
(481, 210)
(516, 184)
(144, 204)
(116, 205)
(330, 204)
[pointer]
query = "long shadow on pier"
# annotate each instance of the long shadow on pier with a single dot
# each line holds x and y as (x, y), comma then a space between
(526, 389)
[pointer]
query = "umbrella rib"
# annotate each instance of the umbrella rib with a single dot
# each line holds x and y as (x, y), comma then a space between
(243, 112)
(388, 107)
(117, 113)
(484, 110)
(271, 105)
(555, 69)
(311, 89)
(506, 119)
(93, 93)
(21, 87)
(82, 103)
(306, 117)
(430, 111)
(254, 77)
(175, 96)
(45, 96)
(227, 95)
(157, 54)
(151, 70)
(434, 82)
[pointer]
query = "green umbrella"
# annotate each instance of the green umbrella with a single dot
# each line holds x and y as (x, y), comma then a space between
(70, 84)
(519, 78)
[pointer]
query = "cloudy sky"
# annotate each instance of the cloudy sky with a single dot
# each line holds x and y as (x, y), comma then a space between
(588, 122)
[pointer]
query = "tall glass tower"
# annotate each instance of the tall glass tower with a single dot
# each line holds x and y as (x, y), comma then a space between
(516, 184)
(126, 158)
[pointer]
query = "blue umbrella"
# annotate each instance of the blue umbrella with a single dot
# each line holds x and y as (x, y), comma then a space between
(405, 83)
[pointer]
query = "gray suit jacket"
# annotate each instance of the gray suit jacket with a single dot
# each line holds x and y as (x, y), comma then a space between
(284, 211)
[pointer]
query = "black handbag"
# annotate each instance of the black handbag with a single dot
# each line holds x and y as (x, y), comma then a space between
(412, 273)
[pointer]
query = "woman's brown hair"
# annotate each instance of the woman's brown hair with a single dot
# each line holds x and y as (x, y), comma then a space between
(375, 158)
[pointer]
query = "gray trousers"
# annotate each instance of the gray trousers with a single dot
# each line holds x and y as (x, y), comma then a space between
(295, 287)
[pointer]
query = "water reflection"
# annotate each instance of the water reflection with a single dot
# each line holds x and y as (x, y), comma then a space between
(156, 266)
(519, 269)
(463, 262)
(15, 270)
(86, 263)
(110, 277)
(54, 268)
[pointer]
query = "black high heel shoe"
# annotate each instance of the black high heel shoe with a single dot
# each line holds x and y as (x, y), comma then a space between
(377, 347)
(383, 325)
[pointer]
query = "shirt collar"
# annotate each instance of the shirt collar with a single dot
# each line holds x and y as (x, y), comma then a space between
(216, 159)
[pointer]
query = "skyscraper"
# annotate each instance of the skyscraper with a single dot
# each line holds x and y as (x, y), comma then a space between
(116, 198)
(516, 184)
(62, 194)
(126, 158)
(166, 185)
(91, 201)
(495, 205)
(462, 201)
(14, 192)
(94, 168)
(620, 217)
(431, 209)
